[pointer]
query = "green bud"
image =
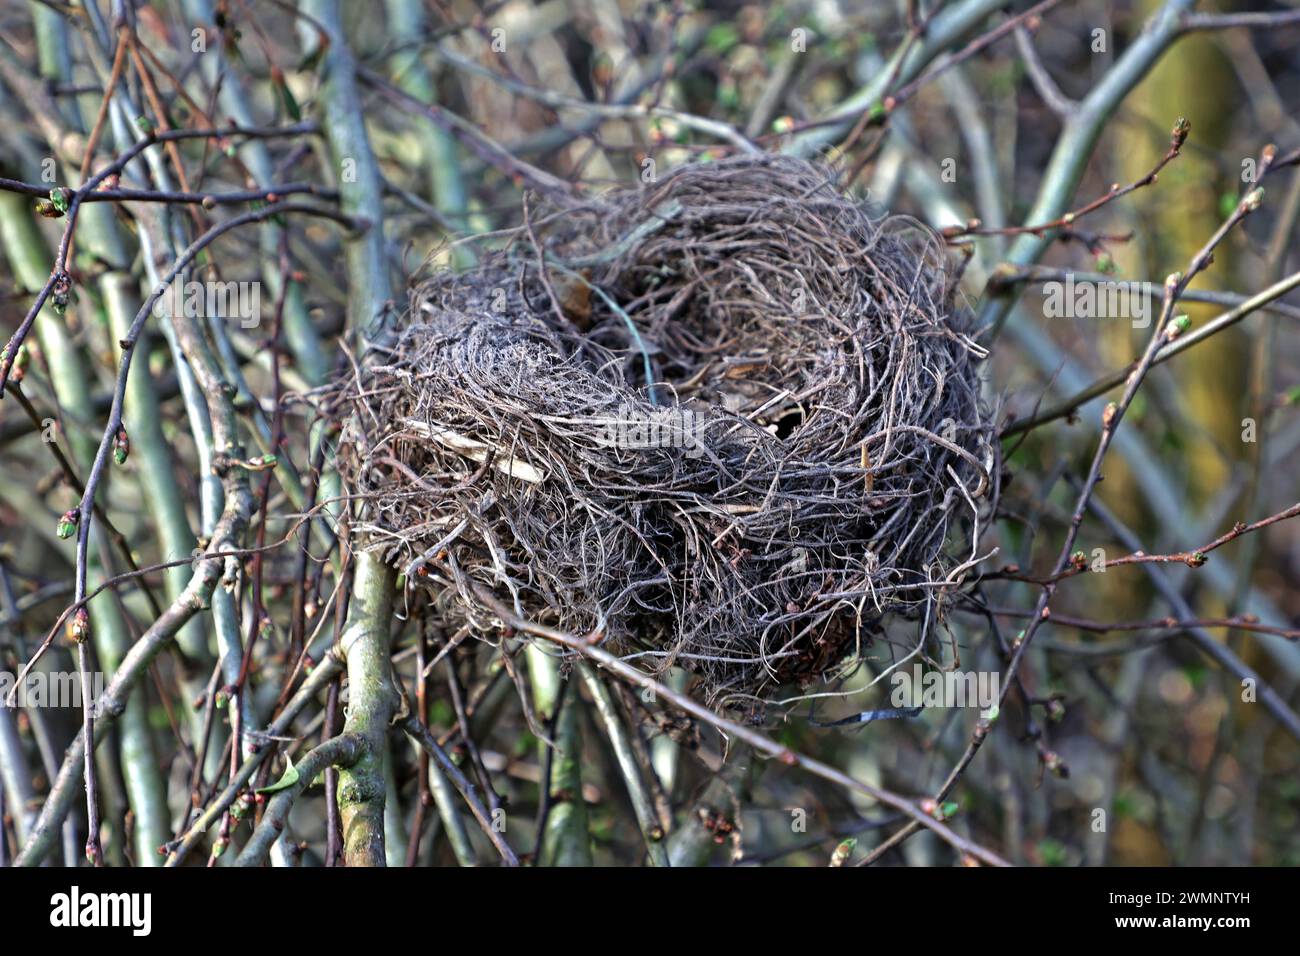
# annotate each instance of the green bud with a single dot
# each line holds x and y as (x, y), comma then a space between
(843, 851)
(121, 446)
(1179, 134)
(243, 806)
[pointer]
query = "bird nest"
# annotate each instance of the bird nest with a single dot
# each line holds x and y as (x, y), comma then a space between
(726, 421)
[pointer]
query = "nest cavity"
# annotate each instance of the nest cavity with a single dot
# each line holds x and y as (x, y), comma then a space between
(728, 421)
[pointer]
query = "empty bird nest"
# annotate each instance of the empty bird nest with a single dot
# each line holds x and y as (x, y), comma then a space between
(727, 421)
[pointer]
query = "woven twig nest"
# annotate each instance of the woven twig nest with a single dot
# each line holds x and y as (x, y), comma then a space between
(728, 426)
